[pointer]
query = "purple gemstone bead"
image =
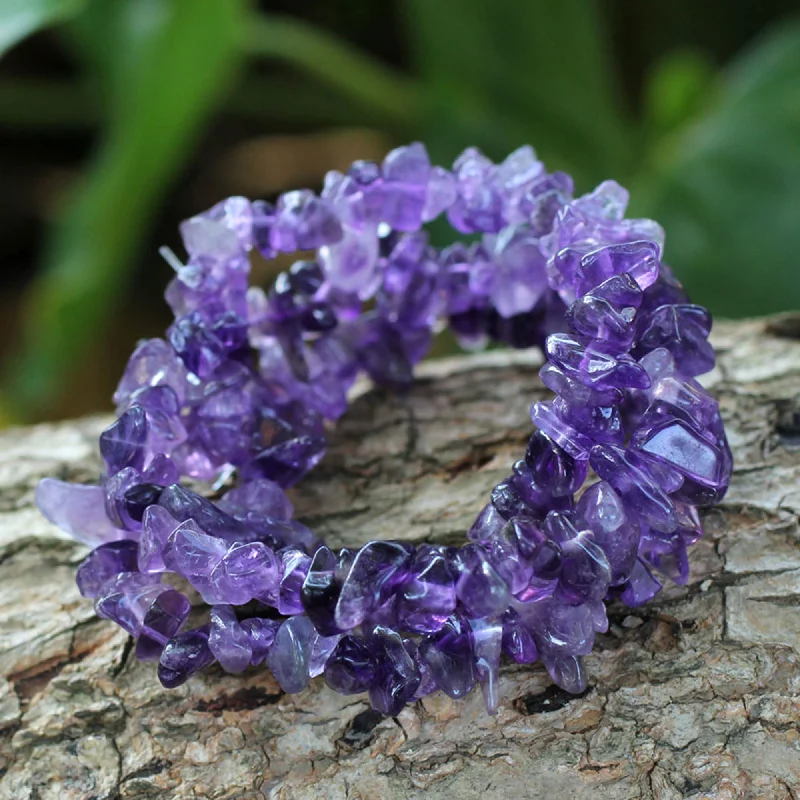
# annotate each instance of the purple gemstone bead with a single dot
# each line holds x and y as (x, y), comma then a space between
(289, 655)
(162, 409)
(351, 667)
(153, 363)
(116, 490)
(509, 559)
(608, 312)
(450, 657)
(157, 526)
(406, 171)
(667, 554)
(287, 462)
(683, 330)
(553, 469)
(637, 259)
(126, 599)
(303, 222)
(247, 571)
(322, 586)
(641, 586)
(262, 496)
(161, 622)
(585, 571)
(479, 586)
(479, 205)
(123, 443)
(441, 193)
(228, 641)
(564, 435)
(294, 568)
(669, 435)
(602, 424)
(584, 362)
(575, 392)
(487, 638)
(185, 505)
(103, 564)
(321, 651)
(643, 496)
(377, 570)
(396, 676)
(568, 672)
(78, 510)
(517, 639)
(351, 264)
(428, 595)
(183, 656)
(601, 510)
(261, 634)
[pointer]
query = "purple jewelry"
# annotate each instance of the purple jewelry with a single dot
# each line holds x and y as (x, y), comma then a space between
(245, 381)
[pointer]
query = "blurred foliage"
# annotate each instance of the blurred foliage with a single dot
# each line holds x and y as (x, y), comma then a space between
(712, 154)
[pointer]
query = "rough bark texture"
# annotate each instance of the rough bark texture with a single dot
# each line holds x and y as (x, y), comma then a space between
(696, 695)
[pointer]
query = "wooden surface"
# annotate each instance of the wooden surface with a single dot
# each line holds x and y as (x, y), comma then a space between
(696, 695)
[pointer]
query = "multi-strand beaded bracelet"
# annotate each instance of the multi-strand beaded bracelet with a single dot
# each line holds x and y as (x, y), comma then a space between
(241, 389)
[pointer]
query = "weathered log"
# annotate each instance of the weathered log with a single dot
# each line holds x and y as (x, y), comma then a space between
(696, 695)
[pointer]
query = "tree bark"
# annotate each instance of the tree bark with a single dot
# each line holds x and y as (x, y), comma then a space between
(696, 695)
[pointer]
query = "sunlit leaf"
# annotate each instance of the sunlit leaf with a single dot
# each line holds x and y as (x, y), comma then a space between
(177, 58)
(21, 18)
(727, 187)
(679, 86)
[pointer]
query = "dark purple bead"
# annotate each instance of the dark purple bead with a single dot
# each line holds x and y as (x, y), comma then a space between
(162, 621)
(306, 278)
(377, 570)
(428, 596)
(582, 360)
(261, 633)
(518, 641)
(552, 468)
(396, 675)
(602, 511)
(450, 658)
(641, 586)
(322, 587)
(287, 462)
(683, 330)
(103, 564)
(294, 568)
(350, 669)
(479, 586)
(123, 443)
(508, 502)
(184, 504)
(608, 311)
(139, 497)
(643, 496)
(183, 656)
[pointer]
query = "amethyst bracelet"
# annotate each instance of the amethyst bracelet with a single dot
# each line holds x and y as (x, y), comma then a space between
(240, 392)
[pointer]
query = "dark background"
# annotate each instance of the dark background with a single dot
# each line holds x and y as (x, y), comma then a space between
(119, 118)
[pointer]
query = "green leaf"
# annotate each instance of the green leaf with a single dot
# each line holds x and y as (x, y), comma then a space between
(174, 61)
(727, 186)
(506, 73)
(21, 18)
(677, 90)
(334, 62)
